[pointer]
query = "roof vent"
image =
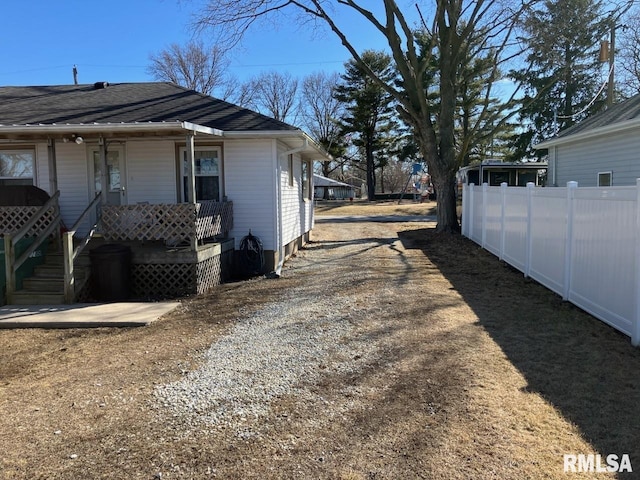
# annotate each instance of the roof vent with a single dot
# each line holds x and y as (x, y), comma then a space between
(100, 85)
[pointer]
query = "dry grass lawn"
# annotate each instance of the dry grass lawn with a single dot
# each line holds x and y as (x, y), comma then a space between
(474, 372)
(363, 207)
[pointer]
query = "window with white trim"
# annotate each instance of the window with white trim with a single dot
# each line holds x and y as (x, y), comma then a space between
(290, 167)
(306, 180)
(17, 167)
(605, 179)
(207, 172)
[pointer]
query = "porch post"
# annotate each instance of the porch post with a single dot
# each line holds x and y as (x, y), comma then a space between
(53, 166)
(191, 185)
(53, 179)
(104, 175)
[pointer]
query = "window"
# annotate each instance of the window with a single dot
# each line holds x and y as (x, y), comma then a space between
(17, 167)
(290, 167)
(604, 179)
(207, 172)
(306, 181)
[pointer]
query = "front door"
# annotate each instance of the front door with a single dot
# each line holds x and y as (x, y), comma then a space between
(116, 192)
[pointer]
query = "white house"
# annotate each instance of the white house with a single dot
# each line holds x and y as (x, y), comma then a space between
(602, 150)
(330, 189)
(163, 150)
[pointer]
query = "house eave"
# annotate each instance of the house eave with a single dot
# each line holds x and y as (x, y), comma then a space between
(311, 149)
(34, 131)
(617, 127)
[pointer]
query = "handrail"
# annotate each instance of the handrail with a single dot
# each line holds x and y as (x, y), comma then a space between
(12, 264)
(32, 248)
(84, 213)
(34, 218)
(70, 254)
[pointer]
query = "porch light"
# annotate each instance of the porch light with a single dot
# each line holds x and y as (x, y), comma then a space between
(79, 140)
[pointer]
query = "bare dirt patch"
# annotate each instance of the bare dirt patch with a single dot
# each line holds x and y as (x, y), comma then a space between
(439, 362)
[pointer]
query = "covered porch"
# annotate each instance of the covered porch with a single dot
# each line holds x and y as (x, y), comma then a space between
(177, 248)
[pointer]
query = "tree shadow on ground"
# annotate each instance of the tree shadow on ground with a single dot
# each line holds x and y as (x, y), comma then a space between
(583, 367)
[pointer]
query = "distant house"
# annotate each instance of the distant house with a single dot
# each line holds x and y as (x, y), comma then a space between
(602, 150)
(166, 165)
(329, 189)
(495, 173)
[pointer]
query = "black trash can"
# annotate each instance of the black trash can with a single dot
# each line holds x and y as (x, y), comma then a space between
(111, 272)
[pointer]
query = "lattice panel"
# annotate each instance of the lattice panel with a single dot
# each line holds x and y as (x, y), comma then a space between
(13, 219)
(213, 219)
(209, 274)
(163, 280)
(175, 280)
(173, 223)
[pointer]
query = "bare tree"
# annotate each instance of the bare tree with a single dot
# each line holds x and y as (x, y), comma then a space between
(321, 113)
(193, 66)
(453, 26)
(630, 54)
(274, 94)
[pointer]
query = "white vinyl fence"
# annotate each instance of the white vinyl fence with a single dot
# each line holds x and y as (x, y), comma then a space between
(582, 243)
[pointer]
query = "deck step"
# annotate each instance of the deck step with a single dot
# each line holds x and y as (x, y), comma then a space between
(29, 298)
(48, 284)
(57, 258)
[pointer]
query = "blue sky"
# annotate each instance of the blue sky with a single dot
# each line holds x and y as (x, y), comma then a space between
(41, 41)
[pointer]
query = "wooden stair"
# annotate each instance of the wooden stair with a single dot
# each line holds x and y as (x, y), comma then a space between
(46, 285)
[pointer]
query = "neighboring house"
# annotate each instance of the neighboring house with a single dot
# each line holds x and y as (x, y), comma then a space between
(495, 173)
(329, 189)
(182, 168)
(602, 150)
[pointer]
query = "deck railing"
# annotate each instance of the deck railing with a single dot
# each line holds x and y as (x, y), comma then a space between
(70, 253)
(17, 223)
(172, 223)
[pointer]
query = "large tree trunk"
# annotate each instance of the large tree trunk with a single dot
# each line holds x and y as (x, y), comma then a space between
(446, 204)
(371, 175)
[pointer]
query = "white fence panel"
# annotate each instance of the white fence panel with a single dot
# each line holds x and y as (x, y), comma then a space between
(516, 219)
(493, 221)
(582, 243)
(602, 254)
(548, 237)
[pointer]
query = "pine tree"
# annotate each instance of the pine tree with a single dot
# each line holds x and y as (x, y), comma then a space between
(370, 117)
(563, 38)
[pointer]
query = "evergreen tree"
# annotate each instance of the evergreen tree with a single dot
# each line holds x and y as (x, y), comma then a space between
(563, 39)
(370, 116)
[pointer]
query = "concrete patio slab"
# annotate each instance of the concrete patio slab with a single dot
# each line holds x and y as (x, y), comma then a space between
(84, 315)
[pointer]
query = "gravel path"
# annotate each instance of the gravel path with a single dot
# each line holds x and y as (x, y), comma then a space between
(280, 350)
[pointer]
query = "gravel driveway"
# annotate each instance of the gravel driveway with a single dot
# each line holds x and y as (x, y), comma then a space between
(310, 331)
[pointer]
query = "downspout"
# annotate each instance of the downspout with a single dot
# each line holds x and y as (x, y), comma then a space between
(304, 146)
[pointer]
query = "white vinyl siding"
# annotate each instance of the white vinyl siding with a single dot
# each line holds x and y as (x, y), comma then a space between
(581, 161)
(151, 171)
(73, 180)
(249, 183)
(42, 167)
(296, 212)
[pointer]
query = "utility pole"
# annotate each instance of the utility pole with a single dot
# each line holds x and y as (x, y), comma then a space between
(607, 52)
(612, 54)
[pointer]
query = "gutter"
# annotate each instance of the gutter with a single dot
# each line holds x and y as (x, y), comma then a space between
(304, 146)
(95, 128)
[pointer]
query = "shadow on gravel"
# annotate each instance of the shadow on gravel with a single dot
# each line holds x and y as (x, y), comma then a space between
(583, 367)
(368, 244)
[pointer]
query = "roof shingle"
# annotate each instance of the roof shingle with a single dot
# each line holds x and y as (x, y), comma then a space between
(126, 103)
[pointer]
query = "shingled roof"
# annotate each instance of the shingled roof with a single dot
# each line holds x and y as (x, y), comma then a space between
(623, 111)
(104, 103)
(617, 116)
